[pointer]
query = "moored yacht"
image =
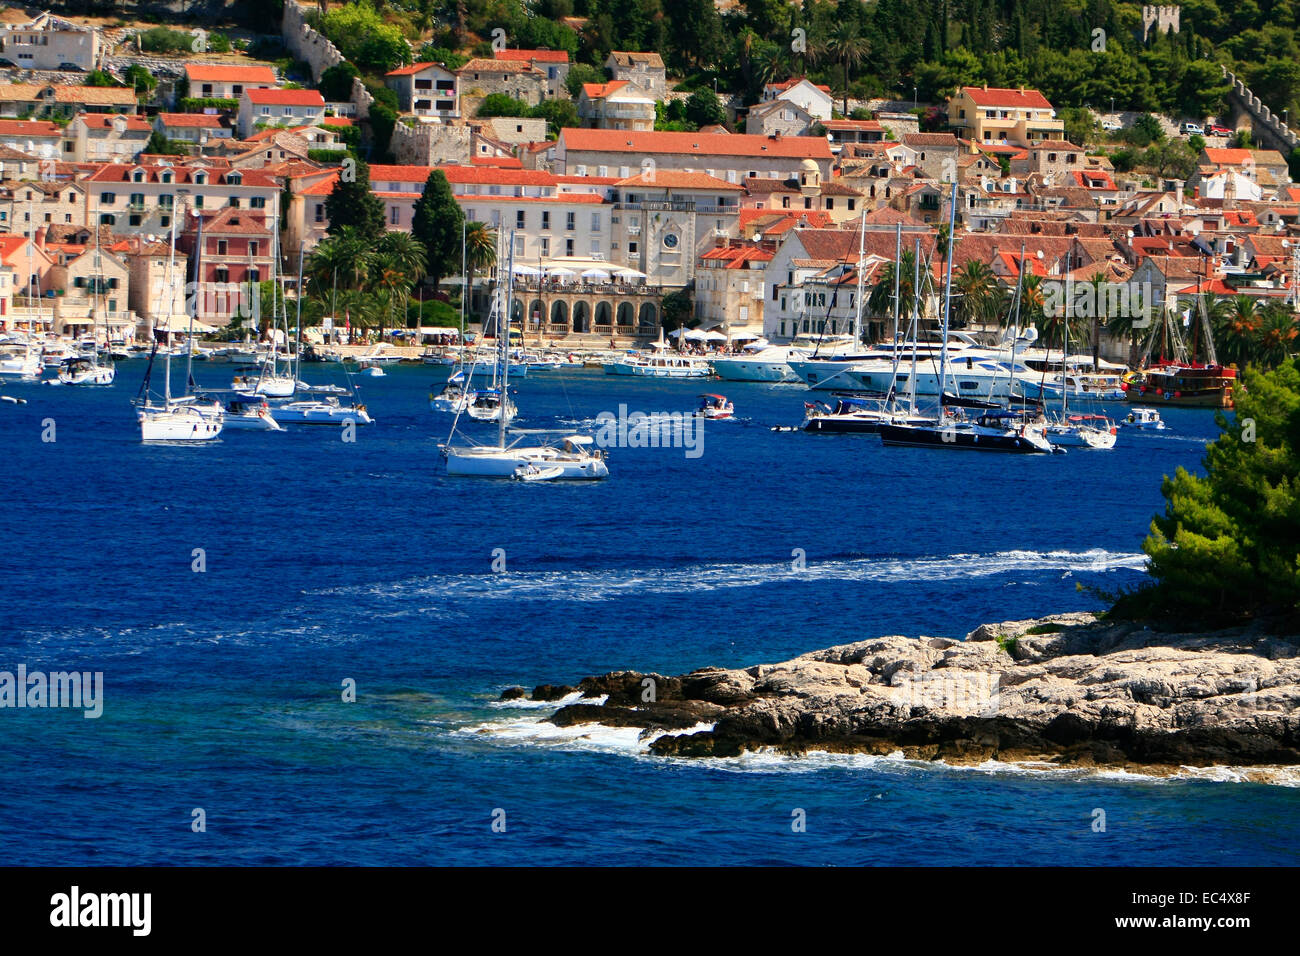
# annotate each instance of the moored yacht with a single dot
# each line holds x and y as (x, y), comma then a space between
(659, 363)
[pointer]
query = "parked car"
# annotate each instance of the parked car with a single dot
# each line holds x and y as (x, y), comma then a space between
(1112, 126)
(1217, 130)
(71, 67)
(8, 64)
(1192, 129)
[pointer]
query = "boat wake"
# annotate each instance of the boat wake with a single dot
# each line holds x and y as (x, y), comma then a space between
(612, 583)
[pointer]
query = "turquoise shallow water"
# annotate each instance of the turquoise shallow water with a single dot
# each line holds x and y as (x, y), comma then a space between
(328, 561)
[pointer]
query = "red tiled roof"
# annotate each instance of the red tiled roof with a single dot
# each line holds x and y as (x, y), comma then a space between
(851, 124)
(336, 121)
(29, 128)
(105, 121)
(1227, 157)
(216, 72)
(499, 162)
(191, 120)
(673, 179)
(10, 245)
(181, 175)
(596, 91)
(540, 56)
(1016, 99)
(322, 188)
(795, 81)
(285, 97)
(463, 174)
(497, 66)
(415, 68)
(695, 144)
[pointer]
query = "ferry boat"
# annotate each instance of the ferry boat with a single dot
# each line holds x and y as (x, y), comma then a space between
(659, 364)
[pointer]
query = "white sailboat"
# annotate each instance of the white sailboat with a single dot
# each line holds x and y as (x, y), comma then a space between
(994, 429)
(270, 382)
(1078, 431)
(181, 419)
(86, 369)
(573, 458)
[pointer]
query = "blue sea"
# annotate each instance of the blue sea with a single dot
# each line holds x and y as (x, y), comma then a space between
(328, 562)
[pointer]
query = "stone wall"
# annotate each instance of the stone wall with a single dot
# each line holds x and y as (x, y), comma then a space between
(1268, 129)
(431, 144)
(307, 45)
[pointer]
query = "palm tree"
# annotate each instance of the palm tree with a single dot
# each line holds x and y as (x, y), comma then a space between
(399, 261)
(980, 298)
(480, 249)
(880, 302)
(344, 258)
(1235, 334)
(1277, 335)
(848, 47)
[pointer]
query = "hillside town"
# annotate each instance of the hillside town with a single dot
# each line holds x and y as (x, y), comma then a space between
(771, 222)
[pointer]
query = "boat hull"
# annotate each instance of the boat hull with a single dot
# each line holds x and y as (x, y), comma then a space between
(320, 413)
(180, 423)
(478, 462)
(963, 439)
(748, 370)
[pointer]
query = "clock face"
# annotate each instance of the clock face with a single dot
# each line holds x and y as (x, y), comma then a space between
(670, 240)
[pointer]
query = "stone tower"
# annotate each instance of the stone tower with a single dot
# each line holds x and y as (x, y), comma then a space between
(1160, 18)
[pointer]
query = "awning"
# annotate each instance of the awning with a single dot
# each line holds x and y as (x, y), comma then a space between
(712, 336)
(745, 336)
(595, 274)
(182, 323)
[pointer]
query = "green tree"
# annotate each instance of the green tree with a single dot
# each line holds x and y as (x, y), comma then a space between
(140, 79)
(849, 48)
(362, 36)
(162, 146)
(436, 223)
(1227, 547)
(558, 114)
(352, 204)
(703, 108)
(579, 74)
(980, 298)
(336, 82)
(499, 104)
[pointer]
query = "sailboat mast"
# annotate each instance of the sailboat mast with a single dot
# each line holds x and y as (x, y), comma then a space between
(898, 262)
(198, 288)
(862, 254)
(503, 343)
(916, 317)
(464, 290)
(171, 310)
(297, 356)
(947, 292)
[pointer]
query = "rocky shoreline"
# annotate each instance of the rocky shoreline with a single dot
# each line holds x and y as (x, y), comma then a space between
(1066, 690)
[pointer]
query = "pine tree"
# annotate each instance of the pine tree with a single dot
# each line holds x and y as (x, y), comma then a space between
(351, 203)
(436, 222)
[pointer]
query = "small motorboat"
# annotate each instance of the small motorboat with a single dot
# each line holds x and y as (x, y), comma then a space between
(453, 397)
(374, 371)
(715, 406)
(1147, 419)
(532, 472)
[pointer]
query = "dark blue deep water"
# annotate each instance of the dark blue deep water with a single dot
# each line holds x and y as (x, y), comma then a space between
(328, 561)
